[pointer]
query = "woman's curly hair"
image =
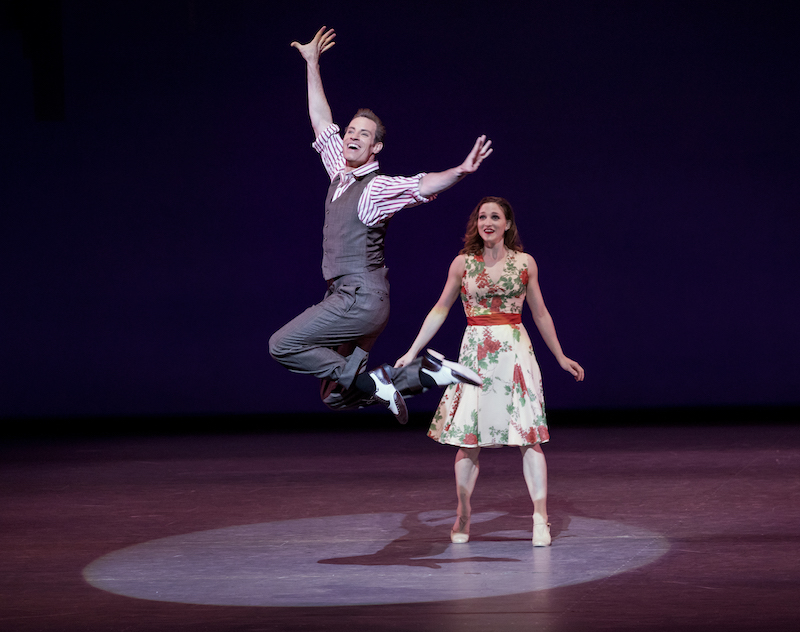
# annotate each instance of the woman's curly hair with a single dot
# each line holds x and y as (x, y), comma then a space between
(473, 242)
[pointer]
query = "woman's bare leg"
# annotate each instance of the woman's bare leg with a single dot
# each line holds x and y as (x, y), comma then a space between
(534, 469)
(466, 470)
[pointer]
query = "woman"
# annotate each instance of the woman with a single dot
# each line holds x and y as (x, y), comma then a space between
(494, 277)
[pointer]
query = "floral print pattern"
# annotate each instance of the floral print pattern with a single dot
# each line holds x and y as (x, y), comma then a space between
(509, 408)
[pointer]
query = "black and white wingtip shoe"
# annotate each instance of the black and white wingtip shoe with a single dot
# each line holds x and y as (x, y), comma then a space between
(388, 395)
(446, 372)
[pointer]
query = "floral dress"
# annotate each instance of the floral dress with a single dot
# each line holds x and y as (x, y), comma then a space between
(509, 408)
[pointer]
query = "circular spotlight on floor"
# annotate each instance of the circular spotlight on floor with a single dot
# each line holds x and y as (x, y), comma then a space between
(368, 559)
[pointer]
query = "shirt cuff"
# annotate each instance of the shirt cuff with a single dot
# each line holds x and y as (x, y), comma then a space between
(417, 195)
(324, 137)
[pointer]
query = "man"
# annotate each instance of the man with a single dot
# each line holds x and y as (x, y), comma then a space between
(332, 339)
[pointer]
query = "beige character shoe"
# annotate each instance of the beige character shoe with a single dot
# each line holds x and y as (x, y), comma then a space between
(462, 535)
(541, 534)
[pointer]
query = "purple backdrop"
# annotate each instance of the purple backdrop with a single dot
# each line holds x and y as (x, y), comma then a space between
(153, 240)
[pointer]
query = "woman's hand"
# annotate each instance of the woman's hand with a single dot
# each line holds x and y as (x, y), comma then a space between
(405, 360)
(570, 366)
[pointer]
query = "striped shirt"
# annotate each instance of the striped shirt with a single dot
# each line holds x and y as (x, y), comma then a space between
(383, 196)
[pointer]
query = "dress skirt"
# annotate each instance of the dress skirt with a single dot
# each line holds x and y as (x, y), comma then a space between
(508, 410)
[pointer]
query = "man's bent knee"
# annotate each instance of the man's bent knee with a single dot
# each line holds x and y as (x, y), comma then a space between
(277, 349)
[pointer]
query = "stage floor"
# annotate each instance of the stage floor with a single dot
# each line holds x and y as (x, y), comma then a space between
(655, 528)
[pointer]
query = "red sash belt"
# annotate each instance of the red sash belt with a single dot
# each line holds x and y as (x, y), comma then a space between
(495, 319)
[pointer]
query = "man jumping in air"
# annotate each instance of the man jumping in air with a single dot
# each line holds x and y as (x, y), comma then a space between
(332, 339)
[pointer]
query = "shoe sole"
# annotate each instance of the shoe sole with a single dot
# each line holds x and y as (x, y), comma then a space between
(402, 410)
(462, 373)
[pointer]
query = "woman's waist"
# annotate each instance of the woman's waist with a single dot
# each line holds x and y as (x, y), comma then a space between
(505, 318)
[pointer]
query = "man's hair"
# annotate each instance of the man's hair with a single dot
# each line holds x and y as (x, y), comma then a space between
(380, 130)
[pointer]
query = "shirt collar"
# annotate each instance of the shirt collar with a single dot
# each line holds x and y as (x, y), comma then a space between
(364, 169)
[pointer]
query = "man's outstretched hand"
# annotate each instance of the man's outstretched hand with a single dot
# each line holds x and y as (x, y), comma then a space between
(322, 41)
(435, 183)
(480, 151)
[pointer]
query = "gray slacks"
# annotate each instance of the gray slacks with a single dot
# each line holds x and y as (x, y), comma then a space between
(332, 339)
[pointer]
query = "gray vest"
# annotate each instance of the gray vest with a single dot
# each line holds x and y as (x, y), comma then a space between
(348, 245)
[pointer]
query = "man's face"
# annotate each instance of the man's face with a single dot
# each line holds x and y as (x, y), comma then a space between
(359, 142)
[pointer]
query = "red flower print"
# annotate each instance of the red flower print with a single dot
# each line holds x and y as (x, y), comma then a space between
(523, 276)
(471, 439)
(497, 303)
(456, 398)
(531, 436)
(489, 346)
(519, 378)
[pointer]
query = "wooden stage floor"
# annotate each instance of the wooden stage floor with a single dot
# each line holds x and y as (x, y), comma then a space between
(655, 528)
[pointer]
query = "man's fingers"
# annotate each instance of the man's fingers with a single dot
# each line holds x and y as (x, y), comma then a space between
(321, 37)
(326, 41)
(482, 146)
(322, 41)
(327, 36)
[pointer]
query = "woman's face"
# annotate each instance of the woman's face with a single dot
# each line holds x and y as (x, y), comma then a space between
(492, 223)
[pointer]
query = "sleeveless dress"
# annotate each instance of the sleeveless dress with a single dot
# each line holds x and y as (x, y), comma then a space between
(509, 408)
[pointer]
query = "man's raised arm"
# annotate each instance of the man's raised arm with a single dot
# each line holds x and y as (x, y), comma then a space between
(433, 183)
(318, 109)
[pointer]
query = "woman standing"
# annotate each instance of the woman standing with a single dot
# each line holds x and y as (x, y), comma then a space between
(494, 278)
